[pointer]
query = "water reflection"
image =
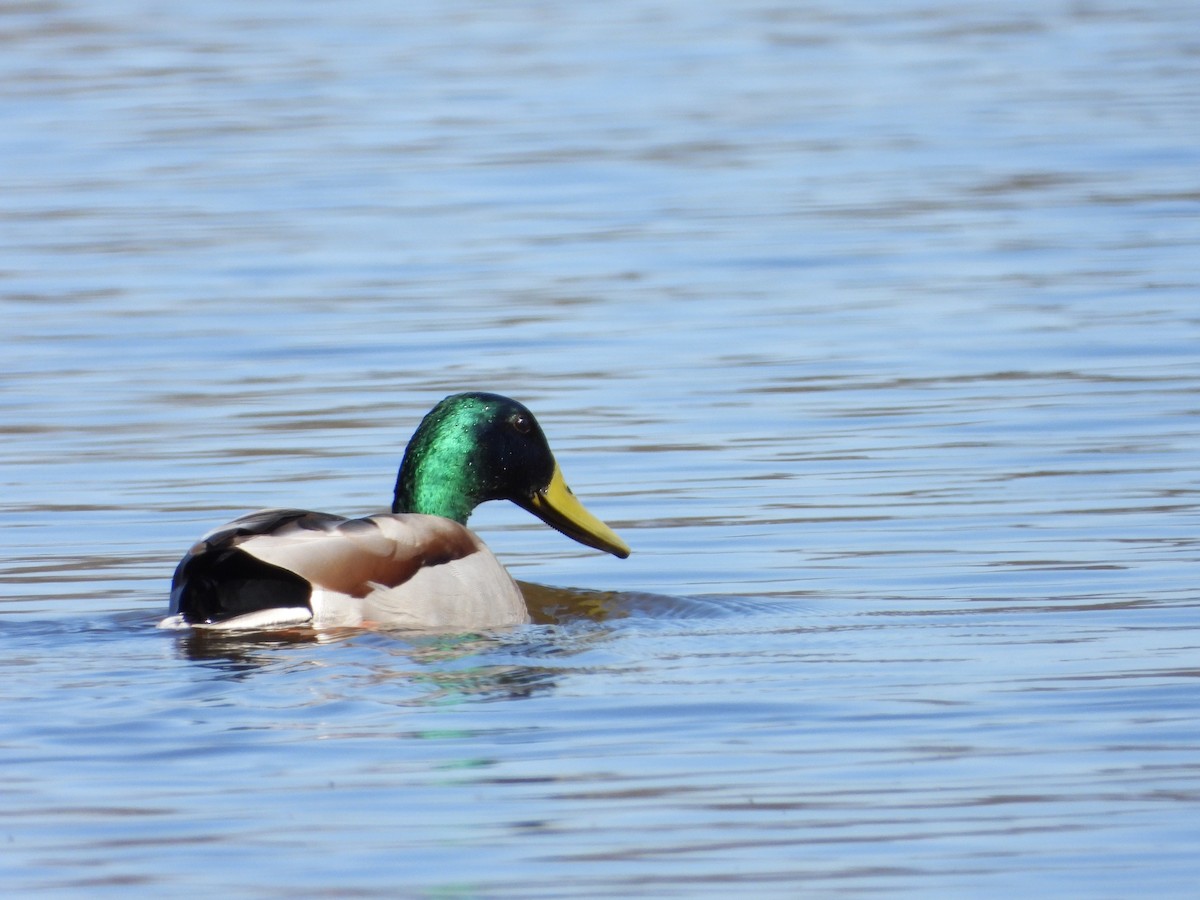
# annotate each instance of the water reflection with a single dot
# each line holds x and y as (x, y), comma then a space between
(564, 606)
(429, 669)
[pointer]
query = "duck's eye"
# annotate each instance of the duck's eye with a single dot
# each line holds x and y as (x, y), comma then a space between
(521, 422)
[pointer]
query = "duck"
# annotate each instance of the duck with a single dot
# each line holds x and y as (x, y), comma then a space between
(418, 567)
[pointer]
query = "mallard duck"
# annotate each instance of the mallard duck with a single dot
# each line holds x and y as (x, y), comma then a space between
(419, 567)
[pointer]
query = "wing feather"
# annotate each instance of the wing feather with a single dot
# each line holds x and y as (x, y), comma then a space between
(351, 555)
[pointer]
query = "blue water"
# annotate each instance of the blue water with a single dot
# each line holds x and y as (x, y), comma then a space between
(873, 330)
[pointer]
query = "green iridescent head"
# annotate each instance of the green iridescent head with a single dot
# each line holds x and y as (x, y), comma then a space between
(476, 447)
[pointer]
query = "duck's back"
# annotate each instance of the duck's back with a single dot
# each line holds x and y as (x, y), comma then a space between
(286, 566)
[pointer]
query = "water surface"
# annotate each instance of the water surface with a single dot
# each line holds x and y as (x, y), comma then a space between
(874, 332)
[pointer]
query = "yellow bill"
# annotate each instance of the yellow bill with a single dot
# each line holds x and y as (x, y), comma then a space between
(558, 507)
